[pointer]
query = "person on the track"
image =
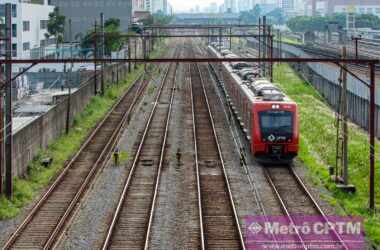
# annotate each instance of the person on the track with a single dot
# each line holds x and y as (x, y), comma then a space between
(179, 155)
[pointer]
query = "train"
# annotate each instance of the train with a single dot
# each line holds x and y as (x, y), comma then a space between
(268, 118)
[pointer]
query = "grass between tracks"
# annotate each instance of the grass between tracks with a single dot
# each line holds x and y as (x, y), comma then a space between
(317, 151)
(66, 146)
(289, 40)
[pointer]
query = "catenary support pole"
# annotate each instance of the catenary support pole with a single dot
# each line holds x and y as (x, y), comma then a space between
(271, 55)
(95, 57)
(344, 119)
(134, 64)
(129, 55)
(68, 83)
(372, 137)
(102, 88)
(1, 130)
(230, 39)
(8, 103)
(265, 44)
(259, 50)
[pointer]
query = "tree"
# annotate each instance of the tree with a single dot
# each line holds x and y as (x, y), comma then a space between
(158, 18)
(111, 27)
(251, 16)
(56, 25)
(306, 23)
(276, 16)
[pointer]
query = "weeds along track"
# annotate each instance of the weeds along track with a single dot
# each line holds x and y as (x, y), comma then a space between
(49, 217)
(220, 227)
(132, 220)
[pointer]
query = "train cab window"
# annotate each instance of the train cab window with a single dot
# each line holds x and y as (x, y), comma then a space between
(276, 125)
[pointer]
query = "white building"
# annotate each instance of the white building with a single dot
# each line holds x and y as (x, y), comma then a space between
(230, 6)
(29, 26)
(153, 6)
(325, 7)
(138, 5)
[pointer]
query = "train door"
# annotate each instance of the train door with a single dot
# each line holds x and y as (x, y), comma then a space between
(252, 126)
(249, 121)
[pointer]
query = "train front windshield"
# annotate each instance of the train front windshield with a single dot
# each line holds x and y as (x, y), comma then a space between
(276, 126)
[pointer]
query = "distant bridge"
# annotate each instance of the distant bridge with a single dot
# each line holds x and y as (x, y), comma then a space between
(207, 18)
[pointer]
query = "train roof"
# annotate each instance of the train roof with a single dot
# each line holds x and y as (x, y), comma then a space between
(256, 89)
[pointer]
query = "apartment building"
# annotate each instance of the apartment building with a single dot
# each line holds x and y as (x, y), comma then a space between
(83, 13)
(326, 7)
(29, 26)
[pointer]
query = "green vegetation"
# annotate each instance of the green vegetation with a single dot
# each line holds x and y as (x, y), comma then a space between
(318, 149)
(289, 40)
(56, 25)
(66, 146)
(62, 149)
(319, 23)
(158, 18)
(275, 16)
(113, 43)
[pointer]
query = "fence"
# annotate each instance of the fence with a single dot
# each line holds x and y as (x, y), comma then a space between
(325, 79)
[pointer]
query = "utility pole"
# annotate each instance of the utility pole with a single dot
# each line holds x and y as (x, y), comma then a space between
(265, 44)
(1, 129)
(259, 50)
(102, 52)
(8, 103)
(372, 124)
(230, 39)
(356, 40)
(2, 79)
(344, 185)
(95, 57)
(271, 55)
(68, 114)
(129, 55)
(135, 43)
(344, 118)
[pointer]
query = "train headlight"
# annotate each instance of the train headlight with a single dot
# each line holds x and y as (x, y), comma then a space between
(275, 106)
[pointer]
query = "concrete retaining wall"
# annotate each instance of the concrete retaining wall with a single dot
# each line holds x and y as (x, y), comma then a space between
(37, 135)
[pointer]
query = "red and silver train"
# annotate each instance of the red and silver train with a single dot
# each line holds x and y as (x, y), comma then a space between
(268, 118)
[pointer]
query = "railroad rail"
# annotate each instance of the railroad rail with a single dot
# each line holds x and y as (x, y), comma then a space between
(289, 189)
(220, 228)
(295, 198)
(132, 220)
(46, 221)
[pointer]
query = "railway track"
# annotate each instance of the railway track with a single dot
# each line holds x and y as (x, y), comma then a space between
(132, 220)
(295, 198)
(219, 221)
(47, 220)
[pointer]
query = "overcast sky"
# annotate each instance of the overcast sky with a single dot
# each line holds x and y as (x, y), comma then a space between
(185, 5)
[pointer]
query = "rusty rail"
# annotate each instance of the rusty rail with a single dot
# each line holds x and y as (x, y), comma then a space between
(42, 214)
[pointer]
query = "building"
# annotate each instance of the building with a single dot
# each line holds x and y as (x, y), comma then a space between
(230, 6)
(83, 13)
(326, 7)
(29, 26)
(153, 6)
(244, 5)
(138, 5)
(288, 7)
(212, 8)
